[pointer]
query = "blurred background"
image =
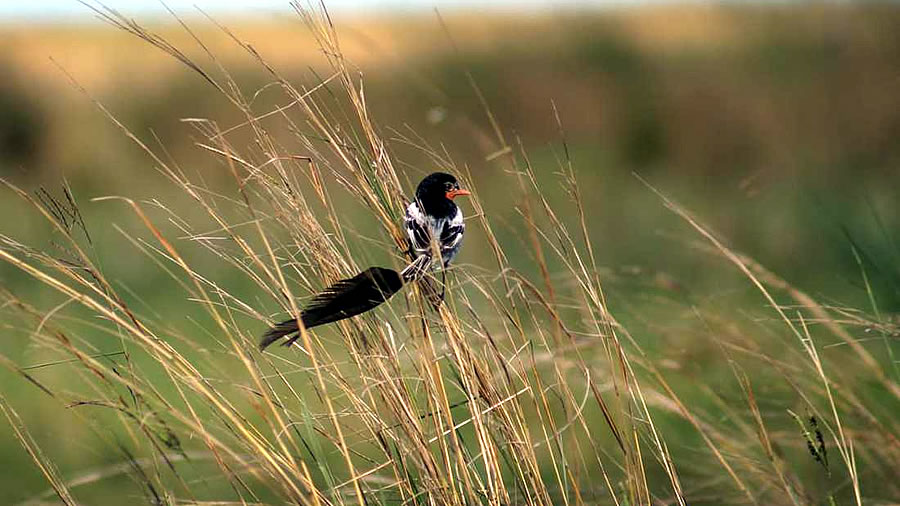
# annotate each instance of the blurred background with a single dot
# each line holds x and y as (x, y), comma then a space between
(776, 124)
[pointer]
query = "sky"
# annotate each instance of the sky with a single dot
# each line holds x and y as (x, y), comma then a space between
(21, 10)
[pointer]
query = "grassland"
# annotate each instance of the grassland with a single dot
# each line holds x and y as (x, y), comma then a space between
(679, 283)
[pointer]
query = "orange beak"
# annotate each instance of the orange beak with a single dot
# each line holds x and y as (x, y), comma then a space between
(452, 194)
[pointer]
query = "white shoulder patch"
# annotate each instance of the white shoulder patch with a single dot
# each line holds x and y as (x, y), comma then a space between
(457, 218)
(413, 213)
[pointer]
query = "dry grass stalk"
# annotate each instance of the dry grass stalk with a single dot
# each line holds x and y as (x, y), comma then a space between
(515, 391)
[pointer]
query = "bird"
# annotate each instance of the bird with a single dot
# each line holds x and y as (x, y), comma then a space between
(433, 224)
(433, 217)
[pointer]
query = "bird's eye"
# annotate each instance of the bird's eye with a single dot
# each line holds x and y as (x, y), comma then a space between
(448, 186)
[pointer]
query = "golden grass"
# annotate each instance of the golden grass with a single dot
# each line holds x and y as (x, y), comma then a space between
(484, 401)
(102, 58)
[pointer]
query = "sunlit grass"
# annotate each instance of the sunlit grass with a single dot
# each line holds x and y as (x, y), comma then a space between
(524, 388)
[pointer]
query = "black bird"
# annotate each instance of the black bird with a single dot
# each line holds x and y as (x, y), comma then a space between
(433, 216)
(433, 222)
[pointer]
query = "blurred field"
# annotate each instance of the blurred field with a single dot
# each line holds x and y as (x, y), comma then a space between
(777, 127)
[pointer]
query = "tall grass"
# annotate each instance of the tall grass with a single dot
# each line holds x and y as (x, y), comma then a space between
(523, 388)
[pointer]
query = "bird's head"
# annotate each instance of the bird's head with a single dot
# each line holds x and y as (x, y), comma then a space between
(437, 191)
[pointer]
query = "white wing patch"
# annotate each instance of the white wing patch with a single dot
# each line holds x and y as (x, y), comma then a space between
(451, 236)
(417, 229)
(421, 228)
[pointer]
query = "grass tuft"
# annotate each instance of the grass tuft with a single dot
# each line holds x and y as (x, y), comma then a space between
(524, 388)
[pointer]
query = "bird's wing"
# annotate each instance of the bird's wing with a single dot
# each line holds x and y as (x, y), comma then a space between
(417, 230)
(451, 237)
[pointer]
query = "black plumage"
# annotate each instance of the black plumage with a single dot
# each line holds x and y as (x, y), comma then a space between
(343, 299)
(432, 217)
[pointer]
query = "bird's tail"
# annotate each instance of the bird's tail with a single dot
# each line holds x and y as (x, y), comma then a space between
(356, 295)
(343, 299)
(278, 331)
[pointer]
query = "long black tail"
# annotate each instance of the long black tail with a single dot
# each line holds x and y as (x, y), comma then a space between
(278, 331)
(343, 299)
